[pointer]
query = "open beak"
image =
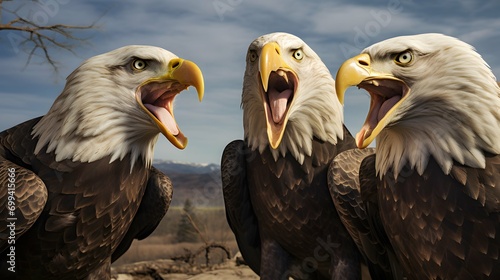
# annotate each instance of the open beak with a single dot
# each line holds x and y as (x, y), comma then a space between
(156, 96)
(386, 91)
(279, 85)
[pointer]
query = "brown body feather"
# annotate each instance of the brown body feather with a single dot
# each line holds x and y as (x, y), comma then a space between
(90, 207)
(282, 213)
(445, 226)
(353, 187)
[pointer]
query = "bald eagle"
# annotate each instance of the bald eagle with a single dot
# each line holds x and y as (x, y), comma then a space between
(82, 180)
(275, 181)
(435, 115)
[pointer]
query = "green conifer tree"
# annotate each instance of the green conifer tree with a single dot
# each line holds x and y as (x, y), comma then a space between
(186, 231)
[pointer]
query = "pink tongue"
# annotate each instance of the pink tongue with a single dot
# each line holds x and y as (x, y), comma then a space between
(360, 136)
(165, 118)
(278, 103)
(387, 105)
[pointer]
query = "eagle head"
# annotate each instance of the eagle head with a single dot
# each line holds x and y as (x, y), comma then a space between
(431, 95)
(288, 97)
(117, 103)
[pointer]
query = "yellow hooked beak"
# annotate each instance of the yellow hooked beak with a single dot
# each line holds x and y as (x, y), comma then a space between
(351, 73)
(385, 91)
(271, 60)
(156, 95)
(186, 73)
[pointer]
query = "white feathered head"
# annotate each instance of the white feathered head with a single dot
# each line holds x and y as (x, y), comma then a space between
(288, 97)
(117, 103)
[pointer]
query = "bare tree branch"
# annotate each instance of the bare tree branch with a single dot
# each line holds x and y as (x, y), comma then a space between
(39, 39)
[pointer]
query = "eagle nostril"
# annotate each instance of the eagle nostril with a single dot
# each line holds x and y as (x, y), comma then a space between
(175, 64)
(363, 62)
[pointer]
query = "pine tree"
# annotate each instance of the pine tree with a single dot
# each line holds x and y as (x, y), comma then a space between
(186, 231)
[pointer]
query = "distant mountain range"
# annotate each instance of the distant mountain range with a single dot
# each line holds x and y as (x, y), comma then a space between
(201, 183)
(185, 168)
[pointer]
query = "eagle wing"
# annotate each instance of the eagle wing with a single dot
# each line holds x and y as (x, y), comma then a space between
(482, 240)
(22, 194)
(239, 210)
(454, 221)
(353, 186)
(154, 206)
(69, 202)
(22, 198)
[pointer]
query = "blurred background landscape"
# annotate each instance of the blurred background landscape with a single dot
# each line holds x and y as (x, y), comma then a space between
(196, 218)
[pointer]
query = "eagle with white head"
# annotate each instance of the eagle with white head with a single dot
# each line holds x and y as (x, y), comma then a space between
(275, 186)
(435, 114)
(84, 184)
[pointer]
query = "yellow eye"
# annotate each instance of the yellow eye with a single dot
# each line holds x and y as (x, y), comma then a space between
(252, 55)
(404, 58)
(298, 54)
(139, 64)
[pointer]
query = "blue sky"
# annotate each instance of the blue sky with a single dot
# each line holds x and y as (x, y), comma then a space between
(215, 34)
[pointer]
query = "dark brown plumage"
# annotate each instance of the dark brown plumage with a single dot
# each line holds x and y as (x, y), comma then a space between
(156, 201)
(353, 186)
(456, 216)
(298, 220)
(87, 213)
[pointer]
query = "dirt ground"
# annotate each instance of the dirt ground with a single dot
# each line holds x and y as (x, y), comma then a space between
(178, 270)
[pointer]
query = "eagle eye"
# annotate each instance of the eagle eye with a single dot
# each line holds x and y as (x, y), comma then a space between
(404, 58)
(139, 64)
(252, 55)
(298, 54)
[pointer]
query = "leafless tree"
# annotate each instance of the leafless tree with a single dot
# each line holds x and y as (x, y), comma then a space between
(29, 29)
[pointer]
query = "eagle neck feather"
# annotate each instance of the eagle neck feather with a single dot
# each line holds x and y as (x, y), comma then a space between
(454, 117)
(94, 118)
(316, 112)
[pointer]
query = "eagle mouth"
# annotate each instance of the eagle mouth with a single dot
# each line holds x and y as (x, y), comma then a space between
(278, 99)
(279, 95)
(386, 94)
(158, 98)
